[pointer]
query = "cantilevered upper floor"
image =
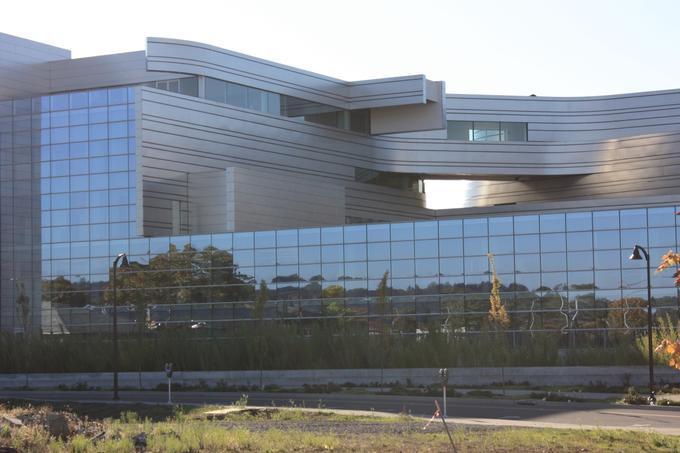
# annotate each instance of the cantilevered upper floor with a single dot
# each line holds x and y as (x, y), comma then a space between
(230, 141)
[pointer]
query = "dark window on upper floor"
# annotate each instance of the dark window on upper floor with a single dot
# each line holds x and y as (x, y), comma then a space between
(188, 85)
(487, 131)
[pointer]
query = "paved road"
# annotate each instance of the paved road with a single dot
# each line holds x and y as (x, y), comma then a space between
(662, 419)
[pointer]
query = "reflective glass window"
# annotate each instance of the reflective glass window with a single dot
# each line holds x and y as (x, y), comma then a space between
(59, 102)
(554, 242)
(451, 266)
(355, 252)
(266, 273)
(580, 261)
(527, 243)
(500, 226)
(554, 281)
(504, 263)
(379, 251)
(376, 269)
(552, 262)
(310, 254)
(513, 132)
(450, 229)
(659, 217)
(117, 130)
(98, 131)
(243, 240)
(60, 201)
(78, 133)
(59, 135)
(309, 236)
(608, 279)
(357, 270)
(606, 239)
(331, 253)
(605, 220)
(60, 168)
(528, 282)
(378, 232)
(355, 233)
(401, 231)
(332, 235)
(427, 267)
(633, 218)
(607, 259)
(265, 257)
(425, 230)
(78, 150)
(630, 238)
(580, 241)
(427, 249)
(476, 265)
(58, 119)
(459, 130)
(527, 263)
(287, 255)
(580, 280)
(402, 250)
(332, 271)
(475, 227)
(79, 199)
(99, 232)
(244, 257)
(402, 269)
(634, 278)
(501, 244)
(265, 239)
(486, 131)
(286, 238)
(579, 221)
(659, 237)
(526, 224)
(476, 246)
(450, 247)
(118, 163)
(310, 272)
(98, 148)
(552, 223)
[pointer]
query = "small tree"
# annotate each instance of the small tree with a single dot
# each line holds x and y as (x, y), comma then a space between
(498, 315)
(668, 345)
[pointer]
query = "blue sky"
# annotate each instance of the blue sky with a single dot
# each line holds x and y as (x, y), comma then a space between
(519, 47)
(546, 47)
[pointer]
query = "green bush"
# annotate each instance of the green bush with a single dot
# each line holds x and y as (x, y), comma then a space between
(288, 347)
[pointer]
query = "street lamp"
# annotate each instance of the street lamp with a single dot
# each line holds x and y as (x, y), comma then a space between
(637, 256)
(124, 263)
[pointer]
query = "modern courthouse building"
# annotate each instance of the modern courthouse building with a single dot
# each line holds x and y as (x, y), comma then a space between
(214, 171)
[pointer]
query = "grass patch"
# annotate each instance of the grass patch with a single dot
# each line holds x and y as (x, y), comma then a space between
(307, 431)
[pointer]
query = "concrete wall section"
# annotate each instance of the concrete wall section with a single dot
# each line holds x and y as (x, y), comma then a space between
(612, 376)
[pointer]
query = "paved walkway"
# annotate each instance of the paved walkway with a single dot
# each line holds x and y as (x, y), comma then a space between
(463, 411)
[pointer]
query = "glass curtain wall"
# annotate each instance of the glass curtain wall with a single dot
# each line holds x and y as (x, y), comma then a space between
(561, 272)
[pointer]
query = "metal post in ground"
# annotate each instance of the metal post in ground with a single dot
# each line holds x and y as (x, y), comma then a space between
(444, 375)
(168, 373)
